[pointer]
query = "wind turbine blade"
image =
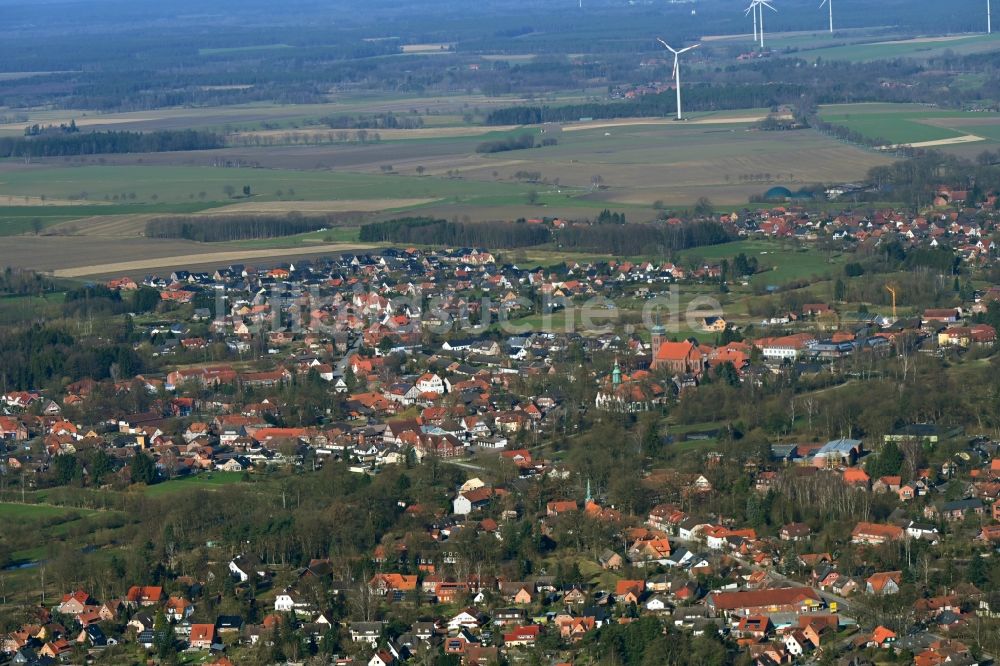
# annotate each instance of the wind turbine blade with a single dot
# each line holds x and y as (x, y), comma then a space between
(822, 4)
(765, 4)
(669, 48)
(674, 73)
(689, 48)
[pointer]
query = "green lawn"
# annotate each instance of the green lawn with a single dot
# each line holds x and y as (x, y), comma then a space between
(207, 480)
(30, 512)
(784, 262)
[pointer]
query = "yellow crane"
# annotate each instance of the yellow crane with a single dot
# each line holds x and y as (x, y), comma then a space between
(893, 292)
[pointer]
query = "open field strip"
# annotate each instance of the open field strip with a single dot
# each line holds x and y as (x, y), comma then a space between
(384, 134)
(222, 257)
(17, 200)
(634, 122)
(925, 40)
(104, 226)
(426, 48)
(333, 206)
(955, 140)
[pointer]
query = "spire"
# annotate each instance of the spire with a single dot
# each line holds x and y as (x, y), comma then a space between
(588, 499)
(616, 374)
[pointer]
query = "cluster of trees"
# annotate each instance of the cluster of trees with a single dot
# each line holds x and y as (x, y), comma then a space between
(63, 128)
(641, 239)
(22, 282)
(33, 357)
(613, 236)
(94, 143)
(520, 142)
(915, 180)
(443, 232)
(607, 217)
(236, 227)
(93, 299)
(373, 121)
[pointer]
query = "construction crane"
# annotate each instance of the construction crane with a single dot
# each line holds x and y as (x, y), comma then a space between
(893, 292)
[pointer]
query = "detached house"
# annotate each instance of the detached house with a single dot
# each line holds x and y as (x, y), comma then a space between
(875, 534)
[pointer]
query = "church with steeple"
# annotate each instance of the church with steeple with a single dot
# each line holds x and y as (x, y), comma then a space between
(629, 394)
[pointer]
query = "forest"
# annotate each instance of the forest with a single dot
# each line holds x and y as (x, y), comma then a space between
(442, 232)
(36, 356)
(236, 227)
(95, 143)
(619, 238)
(914, 181)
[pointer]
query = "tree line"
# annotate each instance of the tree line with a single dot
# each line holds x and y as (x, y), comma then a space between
(374, 121)
(443, 232)
(617, 237)
(94, 143)
(521, 142)
(642, 239)
(236, 227)
(33, 357)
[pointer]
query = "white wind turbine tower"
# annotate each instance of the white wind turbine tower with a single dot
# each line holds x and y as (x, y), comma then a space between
(677, 70)
(752, 9)
(760, 7)
(989, 19)
(829, 4)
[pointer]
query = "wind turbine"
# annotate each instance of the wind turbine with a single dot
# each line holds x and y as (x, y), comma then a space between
(829, 4)
(753, 9)
(677, 69)
(760, 7)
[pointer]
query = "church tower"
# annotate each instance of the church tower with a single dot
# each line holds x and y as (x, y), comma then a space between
(656, 338)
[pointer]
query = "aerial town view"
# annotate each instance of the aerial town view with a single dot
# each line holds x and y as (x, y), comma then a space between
(499, 333)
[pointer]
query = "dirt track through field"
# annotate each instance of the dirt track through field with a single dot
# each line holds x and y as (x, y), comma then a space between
(232, 256)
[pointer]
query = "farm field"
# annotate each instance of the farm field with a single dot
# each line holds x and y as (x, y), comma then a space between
(189, 184)
(254, 116)
(920, 48)
(97, 257)
(915, 124)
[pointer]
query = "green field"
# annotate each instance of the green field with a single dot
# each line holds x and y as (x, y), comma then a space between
(783, 261)
(174, 185)
(892, 125)
(205, 481)
(24, 219)
(921, 48)
(37, 512)
(242, 49)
